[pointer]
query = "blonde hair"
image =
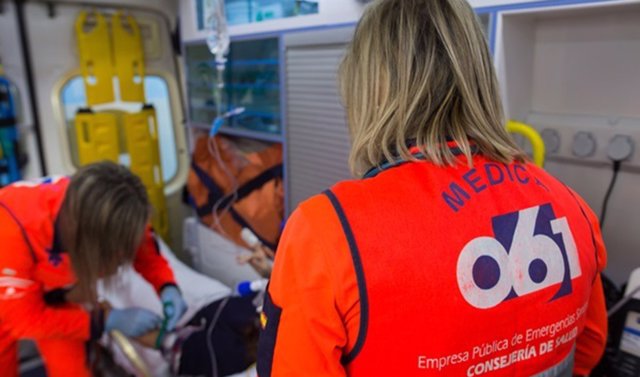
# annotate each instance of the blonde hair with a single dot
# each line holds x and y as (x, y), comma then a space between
(102, 220)
(420, 71)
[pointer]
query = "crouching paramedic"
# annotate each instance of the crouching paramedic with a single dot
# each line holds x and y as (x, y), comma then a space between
(57, 238)
(452, 255)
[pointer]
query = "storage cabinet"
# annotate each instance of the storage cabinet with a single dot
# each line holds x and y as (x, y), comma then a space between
(252, 81)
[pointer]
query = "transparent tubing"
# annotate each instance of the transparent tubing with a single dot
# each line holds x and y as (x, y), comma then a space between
(218, 43)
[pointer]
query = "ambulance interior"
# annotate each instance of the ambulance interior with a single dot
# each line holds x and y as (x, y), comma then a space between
(230, 113)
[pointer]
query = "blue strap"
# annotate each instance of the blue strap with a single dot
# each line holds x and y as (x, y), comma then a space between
(243, 223)
(215, 193)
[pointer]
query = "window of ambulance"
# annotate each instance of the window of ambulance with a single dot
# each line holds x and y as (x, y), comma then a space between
(157, 93)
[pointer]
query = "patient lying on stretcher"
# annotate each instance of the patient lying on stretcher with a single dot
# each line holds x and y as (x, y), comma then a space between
(217, 335)
(219, 340)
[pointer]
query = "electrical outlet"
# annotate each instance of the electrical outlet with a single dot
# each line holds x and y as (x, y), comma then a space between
(551, 140)
(620, 148)
(588, 139)
(584, 144)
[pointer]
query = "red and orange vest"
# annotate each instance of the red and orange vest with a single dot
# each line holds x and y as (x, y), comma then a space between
(466, 271)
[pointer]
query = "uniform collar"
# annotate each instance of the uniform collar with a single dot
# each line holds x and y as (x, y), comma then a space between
(417, 154)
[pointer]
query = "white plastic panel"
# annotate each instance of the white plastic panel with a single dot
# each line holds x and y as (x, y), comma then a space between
(572, 72)
(584, 63)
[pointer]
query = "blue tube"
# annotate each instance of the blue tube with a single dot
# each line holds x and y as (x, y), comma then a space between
(215, 126)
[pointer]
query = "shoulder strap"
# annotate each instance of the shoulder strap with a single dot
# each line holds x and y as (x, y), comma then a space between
(362, 285)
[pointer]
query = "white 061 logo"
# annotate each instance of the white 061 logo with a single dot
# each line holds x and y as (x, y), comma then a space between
(540, 253)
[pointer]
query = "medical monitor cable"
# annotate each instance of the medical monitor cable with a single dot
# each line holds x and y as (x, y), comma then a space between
(607, 196)
(212, 324)
(620, 148)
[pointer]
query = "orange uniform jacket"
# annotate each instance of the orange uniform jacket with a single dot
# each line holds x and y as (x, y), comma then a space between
(424, 270)
(29, 270)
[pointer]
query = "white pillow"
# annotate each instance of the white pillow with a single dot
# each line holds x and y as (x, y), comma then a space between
(215, 256)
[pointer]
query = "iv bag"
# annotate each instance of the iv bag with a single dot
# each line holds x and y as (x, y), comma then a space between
(217, 32)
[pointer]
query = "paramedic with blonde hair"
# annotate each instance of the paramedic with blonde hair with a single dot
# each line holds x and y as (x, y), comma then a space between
(58, 237)
(451, 254)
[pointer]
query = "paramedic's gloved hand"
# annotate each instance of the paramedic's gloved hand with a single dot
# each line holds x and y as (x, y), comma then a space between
(173, 304)
(132, 322)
